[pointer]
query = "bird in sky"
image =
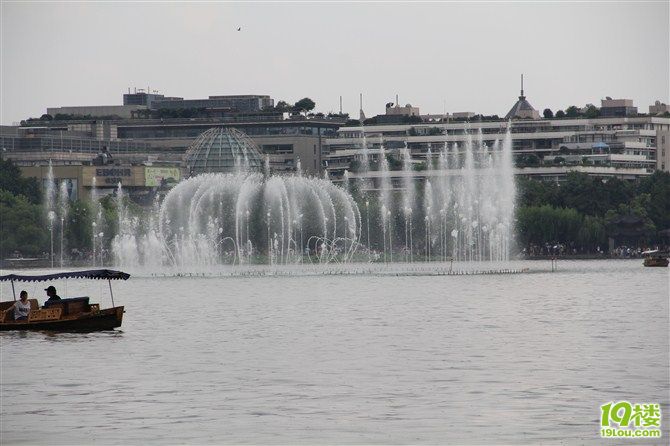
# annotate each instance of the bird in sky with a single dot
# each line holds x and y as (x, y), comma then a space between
(239, 29)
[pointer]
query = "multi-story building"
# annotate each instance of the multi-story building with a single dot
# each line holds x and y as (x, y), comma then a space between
(238, 103)
(284, 139)
(617, 143)
(625, 147)
(97, 111)
(235, 103)
(143, 98)
(77, 157)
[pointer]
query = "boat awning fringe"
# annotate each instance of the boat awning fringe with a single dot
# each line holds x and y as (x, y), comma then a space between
(106, 274)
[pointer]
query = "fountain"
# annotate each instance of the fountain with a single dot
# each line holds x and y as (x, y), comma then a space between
(459, 209)
(217, 218)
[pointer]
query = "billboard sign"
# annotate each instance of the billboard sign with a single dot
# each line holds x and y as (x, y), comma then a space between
(161, 176)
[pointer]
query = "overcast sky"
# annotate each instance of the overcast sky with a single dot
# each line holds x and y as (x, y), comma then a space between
(467, 56)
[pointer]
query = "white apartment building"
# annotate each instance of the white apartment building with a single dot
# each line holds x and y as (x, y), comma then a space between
(623, 147)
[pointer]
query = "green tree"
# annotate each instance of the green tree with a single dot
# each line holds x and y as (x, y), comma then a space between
(572, 112)
(12, 181)
(355, 166)
(531, 160)
(21, 226)
(537, 193)
(548, 113)
(616, 191)
(546, 224)
(591, 111)
(283, 106)
(394, 163)
(304, 105)
(580, 192)
(592, 233)
(658, 188)
(637, 208)
(560, 114)
(78, 230)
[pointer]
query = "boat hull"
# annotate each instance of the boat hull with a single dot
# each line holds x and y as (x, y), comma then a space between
(656, 262)
(107, 319)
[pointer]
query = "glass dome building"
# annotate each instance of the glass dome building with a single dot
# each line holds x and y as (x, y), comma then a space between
(223, 150)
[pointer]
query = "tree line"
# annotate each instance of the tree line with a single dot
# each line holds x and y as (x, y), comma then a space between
(583, 212)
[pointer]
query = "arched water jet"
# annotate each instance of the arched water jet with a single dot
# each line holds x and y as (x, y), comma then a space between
(216, 218)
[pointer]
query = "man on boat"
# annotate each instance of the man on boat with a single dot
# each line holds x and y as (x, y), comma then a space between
(51, 292)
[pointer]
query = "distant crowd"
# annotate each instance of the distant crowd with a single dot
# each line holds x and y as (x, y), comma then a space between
(560, 249)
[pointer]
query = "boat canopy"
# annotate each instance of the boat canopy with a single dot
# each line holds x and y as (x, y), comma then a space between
(106, 274)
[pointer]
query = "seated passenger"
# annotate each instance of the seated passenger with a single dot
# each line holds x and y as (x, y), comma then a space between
(51, 292)
(21, 307)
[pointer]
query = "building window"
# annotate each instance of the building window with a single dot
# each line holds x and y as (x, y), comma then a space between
(278, 149)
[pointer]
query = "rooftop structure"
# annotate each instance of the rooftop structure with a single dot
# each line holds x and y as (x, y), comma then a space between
(659, 108)
(397, 110)
(97, 111)
(141, 98)
(233, 103)
(617, 107)
(522, 108)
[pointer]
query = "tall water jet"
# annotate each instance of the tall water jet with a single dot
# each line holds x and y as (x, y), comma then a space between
(50, 208)
(508, 192)
(428, 206)
(385, 200)
(364, 161)
(124, 244)
(345, 180)
(50, 189)
(63, 206)
(408, 201)
(98, 223)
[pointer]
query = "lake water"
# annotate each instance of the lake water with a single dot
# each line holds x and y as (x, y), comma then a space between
(482, 359)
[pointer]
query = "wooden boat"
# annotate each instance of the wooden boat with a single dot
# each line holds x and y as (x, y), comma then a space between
(72, 314)
(655, 258)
